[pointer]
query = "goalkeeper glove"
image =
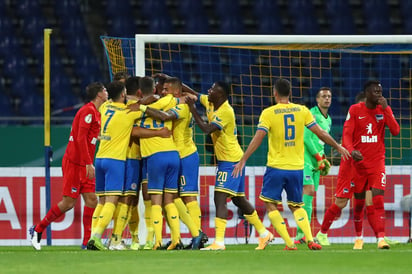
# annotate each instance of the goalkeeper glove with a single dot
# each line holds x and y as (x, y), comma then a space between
(323, 164)
(326, 169)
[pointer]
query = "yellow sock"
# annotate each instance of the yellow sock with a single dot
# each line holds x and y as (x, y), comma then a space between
(301, 218)
(220, 227)
(105, 217)
(157, 224)
(194, 211)
(134, 223)
(173, 221)
(185, 217)
(95, 217)
(148, 220)
(120, 222)
(257, 223)
(280, 226)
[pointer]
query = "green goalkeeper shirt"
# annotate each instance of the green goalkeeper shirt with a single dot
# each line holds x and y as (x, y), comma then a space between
(312, 142)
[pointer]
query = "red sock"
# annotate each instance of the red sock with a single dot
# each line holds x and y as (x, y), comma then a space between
(379, 215)
(331, 214)
(52, 215)
(87, 223)
(358, 216)
(370, 213)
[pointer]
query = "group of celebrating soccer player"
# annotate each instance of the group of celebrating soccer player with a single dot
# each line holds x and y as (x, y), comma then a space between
(146, 142)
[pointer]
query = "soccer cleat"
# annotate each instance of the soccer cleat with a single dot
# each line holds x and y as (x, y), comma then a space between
(382, 244)
(157, 246)
(95, 244)
(119, 246)
(204, 239)
(148, 245)
(214, 246)
(176, 246)
(196, 241)
(391, 242)
(322, 238)
(358, 244)
(264, 241)
(290, 247)
(84, 247)
(314, 246)
(300, 241)
(135, 246)
(35, 238)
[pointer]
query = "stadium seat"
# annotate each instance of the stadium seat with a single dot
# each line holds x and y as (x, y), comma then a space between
(379, 26)
(6, 26)
(122, 27)
(31, 105)
(228, 8)
(231, 25)
(22, 85)
(269, 25)
(68, 8)
(5, 106)
(341, 25)
(28, 8)
(264, 8)
(161, 25)
(306, 25)
(196, 24)
(152, 8)
(117, 9)
(190, 7)
(338, 8)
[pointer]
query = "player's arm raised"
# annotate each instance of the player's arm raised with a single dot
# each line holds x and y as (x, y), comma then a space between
(205, 127)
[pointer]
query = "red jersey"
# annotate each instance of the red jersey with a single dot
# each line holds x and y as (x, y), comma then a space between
(364, 130)
(84, 135)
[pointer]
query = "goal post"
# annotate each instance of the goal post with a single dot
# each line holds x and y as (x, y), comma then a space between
(251, 64)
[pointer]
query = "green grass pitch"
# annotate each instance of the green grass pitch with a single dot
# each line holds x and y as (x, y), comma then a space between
(337, 258)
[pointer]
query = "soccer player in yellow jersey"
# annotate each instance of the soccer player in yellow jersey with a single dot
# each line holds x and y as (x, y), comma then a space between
(117, 123)
(222, 127)
(187, 205)
(163, 164)
(284, 123)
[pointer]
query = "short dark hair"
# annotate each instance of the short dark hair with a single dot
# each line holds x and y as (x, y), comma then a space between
(283, 87)
(146, 85)
(225, 88)
(120, 75)
(115, 89)
(132, 85)
(323, 88)
(370, 83)
(360, 97)
(174, 81)
(93, 89)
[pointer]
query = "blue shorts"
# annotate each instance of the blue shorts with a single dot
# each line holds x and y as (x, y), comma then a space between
(144, 170)
(189, 175)
(133, 177)
(276, 180)
(110, 175)
(225, 182)
(163, 172)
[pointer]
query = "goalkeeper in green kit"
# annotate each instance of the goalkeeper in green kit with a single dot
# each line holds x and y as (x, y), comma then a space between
(316, 163)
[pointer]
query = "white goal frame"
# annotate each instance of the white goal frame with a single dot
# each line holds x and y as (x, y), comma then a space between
(142, 39)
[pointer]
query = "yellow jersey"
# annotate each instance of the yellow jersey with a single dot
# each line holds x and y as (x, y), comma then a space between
(152, 145)
(285, 125)
(117, 123)
(225, 141)
(133, 150)
(183, 130)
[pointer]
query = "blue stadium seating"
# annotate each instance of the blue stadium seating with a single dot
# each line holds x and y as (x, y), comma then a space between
(269, 25)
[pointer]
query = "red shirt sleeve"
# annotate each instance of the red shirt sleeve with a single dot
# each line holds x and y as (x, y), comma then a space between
(391, 122)
(85, 122)
(348, 129)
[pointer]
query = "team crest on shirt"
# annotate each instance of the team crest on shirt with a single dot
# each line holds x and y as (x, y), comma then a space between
(133, 186)
(345, 190)
(88, 118)
(378, 117)
(74, 190)
(218, 119)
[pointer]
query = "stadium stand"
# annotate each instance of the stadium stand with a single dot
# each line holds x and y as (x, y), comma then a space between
(77, 55)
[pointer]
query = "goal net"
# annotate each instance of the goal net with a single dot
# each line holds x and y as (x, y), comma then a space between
(251, 64)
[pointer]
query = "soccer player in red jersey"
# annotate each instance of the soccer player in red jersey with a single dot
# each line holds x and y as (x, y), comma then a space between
(364, 137)
(77, 166)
